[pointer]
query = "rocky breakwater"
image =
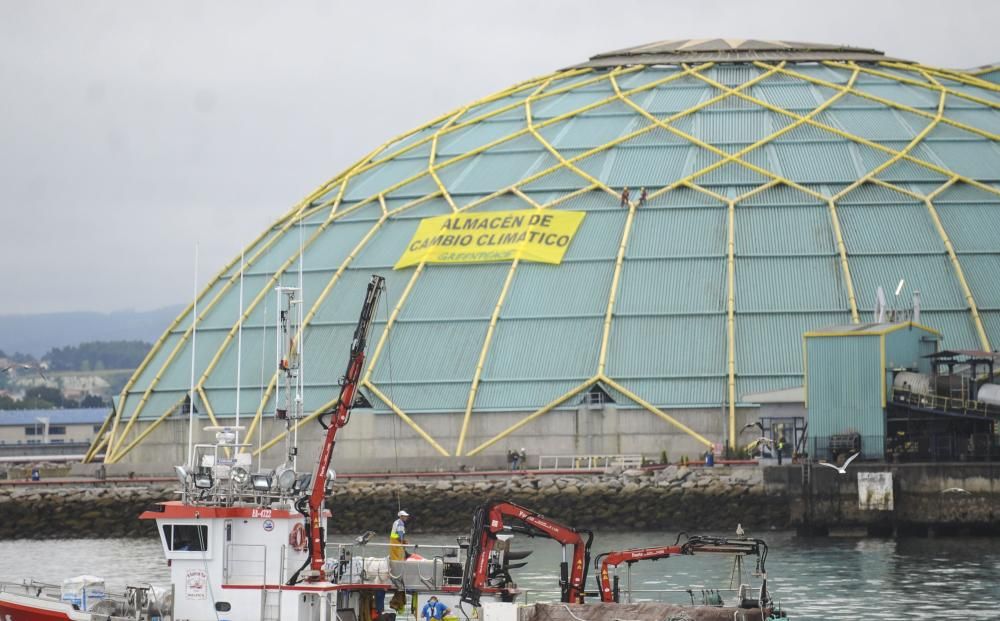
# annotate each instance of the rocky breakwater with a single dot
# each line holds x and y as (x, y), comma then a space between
(674, 498)
(671, 499)
(63, 512)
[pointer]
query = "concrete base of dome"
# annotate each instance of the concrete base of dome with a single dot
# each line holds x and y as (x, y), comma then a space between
(381, 442)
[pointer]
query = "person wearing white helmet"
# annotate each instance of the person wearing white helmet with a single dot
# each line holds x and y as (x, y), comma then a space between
(397, 537)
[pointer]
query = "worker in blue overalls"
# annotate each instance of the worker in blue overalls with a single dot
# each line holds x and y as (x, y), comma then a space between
(434, 610)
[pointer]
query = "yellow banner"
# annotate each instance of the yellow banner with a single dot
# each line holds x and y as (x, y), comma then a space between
(486, 237)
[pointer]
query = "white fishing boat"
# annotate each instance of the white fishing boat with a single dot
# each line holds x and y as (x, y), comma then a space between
(245, 543)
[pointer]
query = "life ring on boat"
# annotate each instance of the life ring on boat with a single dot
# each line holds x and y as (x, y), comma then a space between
(297, 538)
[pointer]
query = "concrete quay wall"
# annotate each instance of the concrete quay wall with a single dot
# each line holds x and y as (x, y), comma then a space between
(929, 499)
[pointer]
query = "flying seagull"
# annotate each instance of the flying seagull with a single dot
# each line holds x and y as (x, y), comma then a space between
(841, 469)
(955, 490)
(759, 441)
(25, 366)
(754, 424)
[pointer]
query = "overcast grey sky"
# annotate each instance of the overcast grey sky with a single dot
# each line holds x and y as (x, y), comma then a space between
(132, 129)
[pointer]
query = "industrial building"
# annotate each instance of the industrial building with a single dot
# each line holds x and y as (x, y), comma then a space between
(48, 434)
(735, 195)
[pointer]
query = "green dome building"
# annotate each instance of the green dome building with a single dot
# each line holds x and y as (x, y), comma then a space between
(784, 183)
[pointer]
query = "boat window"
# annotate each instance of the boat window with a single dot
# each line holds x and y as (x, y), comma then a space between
(186, 537)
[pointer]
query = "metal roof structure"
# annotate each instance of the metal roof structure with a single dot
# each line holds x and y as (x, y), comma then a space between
(786, 183)
(731, 50)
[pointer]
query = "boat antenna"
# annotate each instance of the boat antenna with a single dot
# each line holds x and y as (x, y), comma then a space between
(239, 351)
(194, 348)
(300, 382)
(263, 357)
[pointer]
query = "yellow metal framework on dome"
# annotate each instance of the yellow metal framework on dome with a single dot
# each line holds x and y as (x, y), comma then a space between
(116, 441)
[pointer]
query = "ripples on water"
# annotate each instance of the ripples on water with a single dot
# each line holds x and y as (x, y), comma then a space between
(824, 579)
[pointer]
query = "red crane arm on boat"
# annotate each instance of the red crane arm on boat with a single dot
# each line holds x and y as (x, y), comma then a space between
(489, 522)
(697, 544)
(614, 559)
(348, 388)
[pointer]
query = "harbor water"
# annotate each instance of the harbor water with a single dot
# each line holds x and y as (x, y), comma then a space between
(814, 578)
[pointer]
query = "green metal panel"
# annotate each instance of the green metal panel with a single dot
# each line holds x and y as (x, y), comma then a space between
(932, 275)
(580, 132)
(475, 136)
(522, 394)
(734, 173)
(875, 123)
(986, 119)
(490, 170)
(678, 232)
(678, 95)
(444, 291)
(991, 322)
(684, 392)
(797, 230)
(844, 386)
(721, 124)
(374, 180)
(901, 228)
(683, 286)
(905, 94)
(557, 349)
(806, 283)
(957, 327)
(665, 346)
(426, 396)
(572, 100)
(904, 348)
(453, 346)
(790, 96)
(817, 162)
(971, 226)
(644, 166)
(572, 289)
(978, 159)
(771, 343)
(982, 271)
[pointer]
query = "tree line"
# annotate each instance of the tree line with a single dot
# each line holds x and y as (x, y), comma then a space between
(47, 398)
(89, 356)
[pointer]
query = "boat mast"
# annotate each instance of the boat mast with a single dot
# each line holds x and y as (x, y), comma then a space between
(194, 343)
(239, 353)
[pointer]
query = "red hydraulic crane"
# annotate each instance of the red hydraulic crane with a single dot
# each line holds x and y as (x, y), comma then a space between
(348, 388)
(696, 544)
(486, 572)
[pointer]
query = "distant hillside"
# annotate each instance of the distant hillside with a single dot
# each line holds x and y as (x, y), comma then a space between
(37, 334)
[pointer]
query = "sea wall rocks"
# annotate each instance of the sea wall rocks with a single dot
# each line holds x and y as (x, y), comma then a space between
(675, 498)
(37, 512)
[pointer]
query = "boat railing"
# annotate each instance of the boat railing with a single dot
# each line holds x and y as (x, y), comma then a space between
(529, 596)
(245, 564)
(32, 588)
(369, 563)
(125, 603)
(588, 462)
